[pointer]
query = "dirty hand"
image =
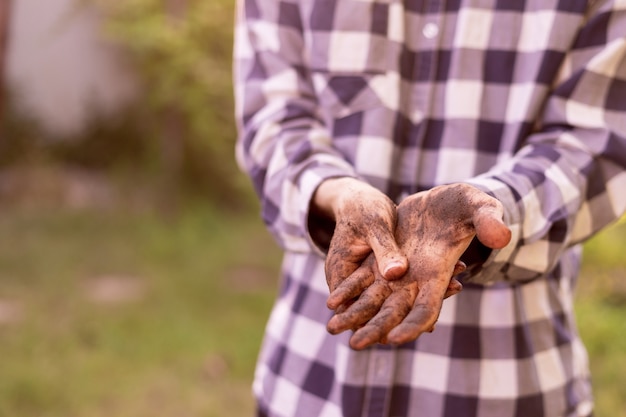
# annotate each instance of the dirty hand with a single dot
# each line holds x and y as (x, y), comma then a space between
(434, 228)
(372, 305)
(365, 220)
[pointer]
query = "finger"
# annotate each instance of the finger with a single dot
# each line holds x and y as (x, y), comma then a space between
(424, 314)
(393, 311)
(362, 310)
(351, 287)
(391, 262)
(459, 267)
(347, 251)
(343, 307)
(490, 229)
(454, 288)
(339, 265)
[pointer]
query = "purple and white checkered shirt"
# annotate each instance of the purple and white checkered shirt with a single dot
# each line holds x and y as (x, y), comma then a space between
(525, 99)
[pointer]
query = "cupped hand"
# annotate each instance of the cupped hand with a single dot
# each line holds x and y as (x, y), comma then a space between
(365, 221)
(434, 228)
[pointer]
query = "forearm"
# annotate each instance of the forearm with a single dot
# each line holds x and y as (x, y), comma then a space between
(551, 205)
(566, 182)
(283, 144)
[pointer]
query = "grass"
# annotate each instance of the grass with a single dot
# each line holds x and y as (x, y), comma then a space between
(601, 308)
(184, 344)
(130, 314)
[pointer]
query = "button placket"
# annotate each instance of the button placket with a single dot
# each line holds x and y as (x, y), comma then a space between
(379, 380)
(426, 34)
(381, 364)
(424, 69)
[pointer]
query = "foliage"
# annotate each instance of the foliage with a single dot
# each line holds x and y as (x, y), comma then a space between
(182, 51)
(20, 134)
(107, 142)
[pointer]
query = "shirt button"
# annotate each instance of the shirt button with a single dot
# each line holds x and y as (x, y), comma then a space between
(430, 30)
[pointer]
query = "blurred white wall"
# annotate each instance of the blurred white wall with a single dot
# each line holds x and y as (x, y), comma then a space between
(61, 67)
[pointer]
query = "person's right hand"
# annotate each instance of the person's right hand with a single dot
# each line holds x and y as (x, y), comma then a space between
(365, 221)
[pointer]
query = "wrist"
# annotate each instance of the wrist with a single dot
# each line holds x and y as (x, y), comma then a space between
(328, 195)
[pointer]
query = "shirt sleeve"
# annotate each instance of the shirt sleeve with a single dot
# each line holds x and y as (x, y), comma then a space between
(283, 144)
(569, 180)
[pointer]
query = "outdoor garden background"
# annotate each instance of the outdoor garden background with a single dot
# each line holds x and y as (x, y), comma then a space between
(135, 273)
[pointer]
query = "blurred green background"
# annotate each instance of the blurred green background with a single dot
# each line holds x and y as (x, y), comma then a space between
(135, 273)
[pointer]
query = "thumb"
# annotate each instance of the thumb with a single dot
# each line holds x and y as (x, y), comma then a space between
(392, 264)
(490, 228)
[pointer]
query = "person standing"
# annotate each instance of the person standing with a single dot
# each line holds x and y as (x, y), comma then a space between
(402, 149)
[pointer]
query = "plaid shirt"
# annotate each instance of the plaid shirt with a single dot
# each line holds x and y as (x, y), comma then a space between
(524, 99)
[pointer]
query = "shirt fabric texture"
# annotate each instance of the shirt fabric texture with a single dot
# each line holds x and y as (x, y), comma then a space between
(524, 99)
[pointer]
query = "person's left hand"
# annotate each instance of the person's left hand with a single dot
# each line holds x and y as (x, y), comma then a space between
(434, 228)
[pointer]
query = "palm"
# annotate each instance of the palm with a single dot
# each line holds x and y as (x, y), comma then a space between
(434, 228)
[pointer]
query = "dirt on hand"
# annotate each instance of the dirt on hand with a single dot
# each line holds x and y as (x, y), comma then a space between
(434, 229)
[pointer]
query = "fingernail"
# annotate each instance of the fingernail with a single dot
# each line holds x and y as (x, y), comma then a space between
(332, 327)
(393, 269)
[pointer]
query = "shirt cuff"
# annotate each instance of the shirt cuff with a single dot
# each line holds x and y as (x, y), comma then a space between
(492, 269)
(309, 183)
